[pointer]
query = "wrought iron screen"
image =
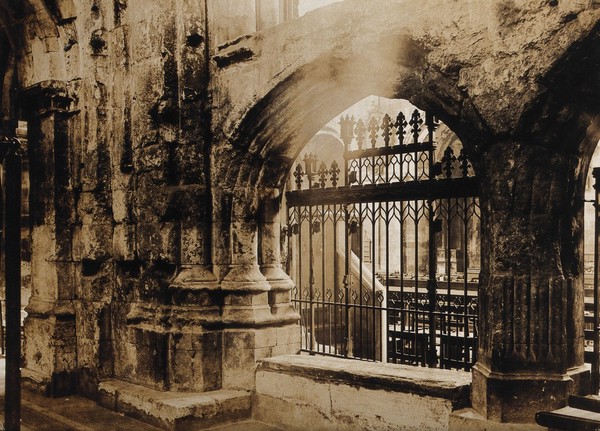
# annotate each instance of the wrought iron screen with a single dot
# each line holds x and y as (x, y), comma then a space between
(383, 246)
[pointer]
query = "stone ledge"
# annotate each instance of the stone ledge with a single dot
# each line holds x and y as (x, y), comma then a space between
(447, 384)
(175, 411)
(300, 392)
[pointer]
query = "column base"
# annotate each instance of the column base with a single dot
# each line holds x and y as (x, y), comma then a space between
(517, 397)
(55, 386)
(470, 420)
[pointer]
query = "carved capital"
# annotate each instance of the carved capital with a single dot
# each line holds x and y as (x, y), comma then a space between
(48, 97)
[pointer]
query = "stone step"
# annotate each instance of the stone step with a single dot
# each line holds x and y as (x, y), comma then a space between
(582, 414)
(176, 411)
(250, 425)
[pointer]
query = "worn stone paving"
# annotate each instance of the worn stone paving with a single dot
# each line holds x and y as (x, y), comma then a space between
(80, 414)
(76, 413)
(72, 414)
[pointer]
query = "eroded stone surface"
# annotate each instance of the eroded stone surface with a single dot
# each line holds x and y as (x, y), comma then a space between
(299, 392)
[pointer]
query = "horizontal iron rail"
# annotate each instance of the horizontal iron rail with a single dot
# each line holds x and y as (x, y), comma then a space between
(388, 151)
(414, 190)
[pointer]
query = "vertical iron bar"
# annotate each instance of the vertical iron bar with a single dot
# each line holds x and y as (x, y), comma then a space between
(417, 313)
(360, 279)
(311, 278)
(432, 281)
(403, 313)
(465, 287)
(12, 258)
(347, 333)
(432, 288)
(323, 313)
(595, 377)
(373, 278)
(347, 136)
(336, 275)
(302, 308)
(449, 310)
(386, 303)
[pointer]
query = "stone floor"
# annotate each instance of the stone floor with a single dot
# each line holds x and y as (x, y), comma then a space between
(75, 413)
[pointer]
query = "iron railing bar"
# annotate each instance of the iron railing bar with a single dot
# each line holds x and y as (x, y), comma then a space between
(387, 280)
(336, 274)
(311, 276)
(595, 377)
(346, 282)
(465, 267)
(387, 151)
(416, 269)
(322, 228)
(448, 258)
(402, 263)
(407, 191)
(373, 293)
(360, 273)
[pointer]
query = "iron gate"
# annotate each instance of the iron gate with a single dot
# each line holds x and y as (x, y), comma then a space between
(383, 246)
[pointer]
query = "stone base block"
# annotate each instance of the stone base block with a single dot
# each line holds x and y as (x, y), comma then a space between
(302, 392)
(470, 420)
(244, 347)
(175, 411)
(516, 398)
(57, 385)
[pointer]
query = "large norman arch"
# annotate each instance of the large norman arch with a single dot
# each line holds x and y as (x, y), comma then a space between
(506, 87)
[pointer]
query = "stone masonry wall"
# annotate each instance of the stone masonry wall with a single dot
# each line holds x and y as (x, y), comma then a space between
(116, 95)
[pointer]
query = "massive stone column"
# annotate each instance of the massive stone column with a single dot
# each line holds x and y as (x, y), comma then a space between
(531, 297)
(50, 341)
(166, 314)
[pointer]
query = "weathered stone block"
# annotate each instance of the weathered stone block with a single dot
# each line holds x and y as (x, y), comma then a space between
(66, 279)
(232, 19)
(122, 205)
(190, 163)
(153, 158)
(509, 397)
(246, 299)
(289, 334)
(300, 391)
(158, 242)
(95, 241)
(127, 278)
(87, 353)
(199, 367)
(173, 410)
(37, 355)
(193, 248)
(124, 242)
(238, 359)
(95, 280)
(265, 337)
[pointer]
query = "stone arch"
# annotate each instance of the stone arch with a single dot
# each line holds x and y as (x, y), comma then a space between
(276, 128)
(496, 96)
